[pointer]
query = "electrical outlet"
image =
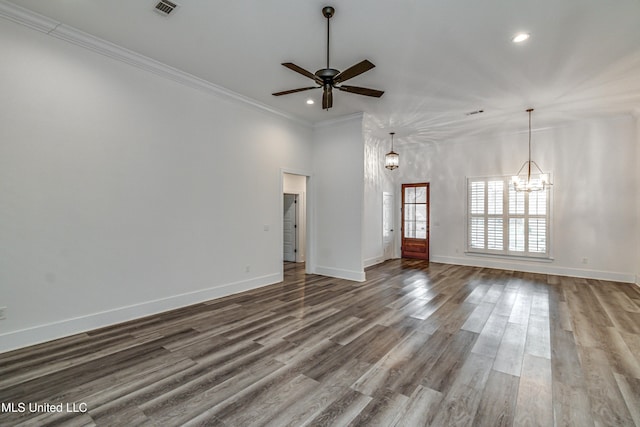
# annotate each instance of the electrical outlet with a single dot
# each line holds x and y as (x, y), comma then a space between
(247, 268)
(585, 260)
(3, 314)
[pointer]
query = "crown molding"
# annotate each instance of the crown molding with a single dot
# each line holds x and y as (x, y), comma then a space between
(338, 120)
(27, 18)
(72, 35)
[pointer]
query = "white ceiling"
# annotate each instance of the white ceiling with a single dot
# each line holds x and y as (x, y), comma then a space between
(435, 59)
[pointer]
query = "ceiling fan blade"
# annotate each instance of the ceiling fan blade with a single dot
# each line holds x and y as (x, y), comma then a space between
(300, 70)
(287, 92)
(361, 90)
(353, 71)
(327, 98)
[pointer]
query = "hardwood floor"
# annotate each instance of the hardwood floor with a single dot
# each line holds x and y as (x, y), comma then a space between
(416, 344)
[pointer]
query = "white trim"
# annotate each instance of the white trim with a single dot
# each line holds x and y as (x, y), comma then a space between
(291, 171)
(338, 120)
(51, 331)
(356, 276)
(309, 255)
(25, 17)
(510, 257)
(373, 261)
(72, 35)
(536, 267)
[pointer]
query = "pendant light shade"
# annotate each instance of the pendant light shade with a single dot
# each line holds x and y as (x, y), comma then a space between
(392, 159)
(525, 180)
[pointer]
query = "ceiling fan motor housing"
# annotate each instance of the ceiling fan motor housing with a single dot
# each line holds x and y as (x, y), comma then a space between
(327, 74)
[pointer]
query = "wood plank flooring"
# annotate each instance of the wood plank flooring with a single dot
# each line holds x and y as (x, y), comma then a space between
(417, 344)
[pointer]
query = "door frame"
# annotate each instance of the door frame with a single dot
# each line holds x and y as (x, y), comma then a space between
(310, 260)
(403, 241)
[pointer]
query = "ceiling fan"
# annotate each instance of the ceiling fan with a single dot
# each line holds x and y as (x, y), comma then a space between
(328, 78)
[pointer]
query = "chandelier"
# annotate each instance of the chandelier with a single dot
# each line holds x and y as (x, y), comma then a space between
(524, 180)
(391, 159)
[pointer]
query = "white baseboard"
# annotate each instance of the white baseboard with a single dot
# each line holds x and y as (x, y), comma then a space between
(51, 331)
(356, 276)
(541, 268)
(373, 261)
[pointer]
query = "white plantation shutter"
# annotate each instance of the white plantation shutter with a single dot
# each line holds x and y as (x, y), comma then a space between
(476, 217)
(495, 191)
(538, 235)
(516, 202)
(516, 234)
(494, 233)
(477, 198)
(538, 203)
(477, 233)
(505, 222)
(495, 207)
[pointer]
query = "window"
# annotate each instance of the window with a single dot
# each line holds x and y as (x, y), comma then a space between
(502, 221)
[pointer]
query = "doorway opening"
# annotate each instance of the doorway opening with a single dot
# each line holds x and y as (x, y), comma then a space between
(294, 218)
(289, 228)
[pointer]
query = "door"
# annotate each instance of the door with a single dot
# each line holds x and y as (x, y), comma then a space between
(415, 221)
(289, 227)
(387, 225)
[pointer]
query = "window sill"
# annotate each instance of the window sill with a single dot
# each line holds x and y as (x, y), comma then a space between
(512, 257)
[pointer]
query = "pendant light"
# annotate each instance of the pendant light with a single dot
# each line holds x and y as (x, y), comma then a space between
(524, 180)
(391, 159)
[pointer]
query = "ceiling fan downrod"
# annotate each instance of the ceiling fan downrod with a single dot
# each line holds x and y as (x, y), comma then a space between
(328, 12)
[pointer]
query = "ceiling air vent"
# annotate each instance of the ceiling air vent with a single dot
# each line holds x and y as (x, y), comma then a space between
(165, 7)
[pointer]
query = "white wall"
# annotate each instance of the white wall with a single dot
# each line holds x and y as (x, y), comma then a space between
(123, 193)
(594, 208)
(377, 180)
(338, 192)
(637, 168)
(297, 184)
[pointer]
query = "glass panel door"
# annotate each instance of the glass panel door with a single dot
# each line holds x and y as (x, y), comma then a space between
(415, 221)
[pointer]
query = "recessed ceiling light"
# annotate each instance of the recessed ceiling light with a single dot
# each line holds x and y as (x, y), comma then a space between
(520, 37)
(310, 101)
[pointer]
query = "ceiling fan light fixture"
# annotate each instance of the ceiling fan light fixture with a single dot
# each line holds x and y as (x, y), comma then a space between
(520, 37)
(391, 159)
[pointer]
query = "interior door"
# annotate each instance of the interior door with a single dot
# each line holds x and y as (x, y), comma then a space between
(415, 221)
(387, 225)
(289, 227)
